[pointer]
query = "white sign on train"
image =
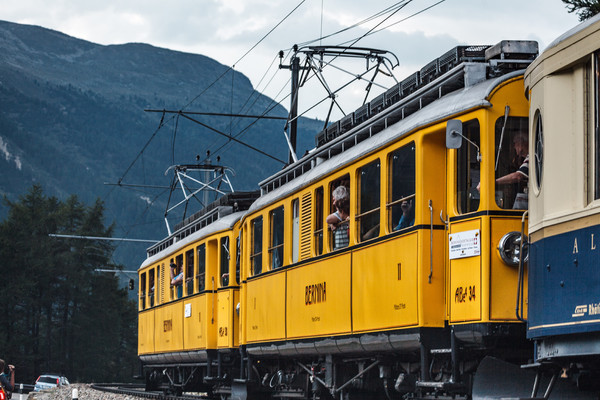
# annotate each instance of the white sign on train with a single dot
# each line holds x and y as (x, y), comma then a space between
(464, 244)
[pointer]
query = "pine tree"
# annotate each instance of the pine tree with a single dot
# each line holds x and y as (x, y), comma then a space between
(585, 9)
(59, 314)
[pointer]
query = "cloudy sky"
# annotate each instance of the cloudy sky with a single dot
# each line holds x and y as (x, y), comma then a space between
(227, 29)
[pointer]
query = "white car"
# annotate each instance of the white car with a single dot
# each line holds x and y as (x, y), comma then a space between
(48, 381)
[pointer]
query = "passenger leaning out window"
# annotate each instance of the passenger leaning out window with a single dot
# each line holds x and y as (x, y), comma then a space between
(339, 220)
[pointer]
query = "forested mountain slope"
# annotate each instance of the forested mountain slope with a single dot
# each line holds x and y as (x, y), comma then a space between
(72, 119)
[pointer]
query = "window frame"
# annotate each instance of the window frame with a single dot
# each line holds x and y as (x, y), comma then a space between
(276, 248)
(506, 161)
(201, 271)
(142, 293)
(152, 283)
(224, 261)
(363, 196)
(464, 155)
(189, 275)
(332, 185)
(319, 218)
(256, 248)
(295, 229)
(393, 205)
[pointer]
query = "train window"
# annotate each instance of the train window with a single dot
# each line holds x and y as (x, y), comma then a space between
(368, 217)
(201, 277)
(276, 248)
(224, 270)
(538, 150)
(238, 257)
(159, 287)
(142, 291)
(151, 287)
(468, 169)
(318, 232)
(177, 287)
(189, 272)
(512, 162)
(338, 219)
(295, 229)
(401, 202)
(256, 250)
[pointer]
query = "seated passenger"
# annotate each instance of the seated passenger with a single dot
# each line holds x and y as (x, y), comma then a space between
(408, 215)
(338, 221)
(177, 278)
(521, 175)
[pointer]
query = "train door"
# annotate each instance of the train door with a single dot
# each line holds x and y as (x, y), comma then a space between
(463, 221)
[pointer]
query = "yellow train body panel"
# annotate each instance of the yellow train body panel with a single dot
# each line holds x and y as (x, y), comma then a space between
(504, 279)
(384, 285)
(265, 317)
(319, 298)
(168, 327)
(198, 326)
(465, 294)
(228, 324)
(146, 332)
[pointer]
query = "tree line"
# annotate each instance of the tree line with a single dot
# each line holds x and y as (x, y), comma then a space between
(58, 315)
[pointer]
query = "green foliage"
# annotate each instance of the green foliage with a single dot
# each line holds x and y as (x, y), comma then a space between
(585, 9)
(59, 315)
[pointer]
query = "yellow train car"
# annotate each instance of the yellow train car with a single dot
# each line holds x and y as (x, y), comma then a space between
(427, 274)
(385, 262)
(189, 290)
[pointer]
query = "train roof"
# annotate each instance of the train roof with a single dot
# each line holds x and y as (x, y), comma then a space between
(384, 129)
(420, 99)
(173, 245)
(218, 215)
(565, 51)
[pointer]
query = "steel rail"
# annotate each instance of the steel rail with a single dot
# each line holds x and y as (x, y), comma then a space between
(137, 391)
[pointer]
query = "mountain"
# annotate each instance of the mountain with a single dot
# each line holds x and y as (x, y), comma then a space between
(72, 119)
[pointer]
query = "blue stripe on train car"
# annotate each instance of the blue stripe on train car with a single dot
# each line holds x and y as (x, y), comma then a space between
(564, 284)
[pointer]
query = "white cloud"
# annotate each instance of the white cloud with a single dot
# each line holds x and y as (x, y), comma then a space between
(227, 29)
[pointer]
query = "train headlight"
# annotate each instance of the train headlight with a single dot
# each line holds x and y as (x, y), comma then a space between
(509, 248)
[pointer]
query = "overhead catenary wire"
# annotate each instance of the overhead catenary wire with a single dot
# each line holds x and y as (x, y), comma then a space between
(255, 95)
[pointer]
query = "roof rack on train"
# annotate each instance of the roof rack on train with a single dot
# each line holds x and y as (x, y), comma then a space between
(223, 206)
(461, 67)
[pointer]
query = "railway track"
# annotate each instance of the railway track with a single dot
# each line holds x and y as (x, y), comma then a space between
(137, 390)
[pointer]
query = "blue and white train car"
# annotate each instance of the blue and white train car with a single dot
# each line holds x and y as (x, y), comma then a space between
(564, 204)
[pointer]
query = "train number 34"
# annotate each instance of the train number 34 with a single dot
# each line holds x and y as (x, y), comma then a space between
(462, 294)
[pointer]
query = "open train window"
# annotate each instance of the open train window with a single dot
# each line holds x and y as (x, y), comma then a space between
(177, 289)
(318, 232)
(276, 246)
(201, 277)
(401, 201)
(225, 257)
(256, 249)
(142, 291)
(340, 230)
(511, 162)
(189, 272)
(468, 169)
(368, 217)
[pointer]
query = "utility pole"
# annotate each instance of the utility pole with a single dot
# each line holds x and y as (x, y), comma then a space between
(293, 116)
